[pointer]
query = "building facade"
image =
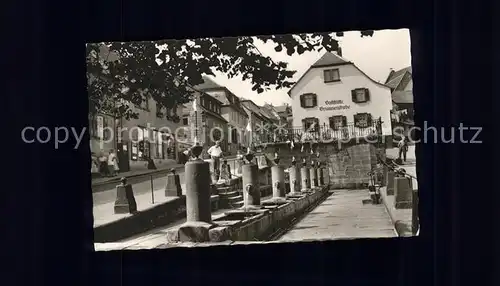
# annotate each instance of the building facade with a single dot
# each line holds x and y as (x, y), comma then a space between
(402, 114)
(231, 111)
(257, 122)
(205, 123)
(136, 141)
(337, 97)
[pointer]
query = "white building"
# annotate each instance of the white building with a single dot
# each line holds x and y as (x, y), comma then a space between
(334, 93)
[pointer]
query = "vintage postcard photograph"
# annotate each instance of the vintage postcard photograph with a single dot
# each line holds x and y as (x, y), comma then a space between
(262, 139)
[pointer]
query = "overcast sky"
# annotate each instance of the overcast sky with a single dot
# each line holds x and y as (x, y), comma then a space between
(374, 55)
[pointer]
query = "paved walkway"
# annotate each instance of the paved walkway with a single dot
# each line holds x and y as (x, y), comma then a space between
(104, 212)
(133, 173)
(343, 216)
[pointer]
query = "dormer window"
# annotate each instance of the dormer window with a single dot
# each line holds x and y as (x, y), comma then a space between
(308, 100)
(331, 75)
(360, 95)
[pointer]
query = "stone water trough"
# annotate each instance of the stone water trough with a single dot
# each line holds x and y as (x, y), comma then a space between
(250, 224)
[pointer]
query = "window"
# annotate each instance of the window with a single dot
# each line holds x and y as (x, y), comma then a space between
(362, 120)
(310, 124)
(360, 95)
(337, 122)
(331, 75)
(185, 120)
(159, 112)
(308, 100)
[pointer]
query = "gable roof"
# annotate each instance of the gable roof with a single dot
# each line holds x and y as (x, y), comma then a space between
(254, 108)
(395, 77)
(208, 83)
(330, 59)
(402, 96)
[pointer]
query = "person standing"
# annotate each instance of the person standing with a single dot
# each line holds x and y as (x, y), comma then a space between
(215, 152)
(403, 148)
(103, 165)
(112, 163)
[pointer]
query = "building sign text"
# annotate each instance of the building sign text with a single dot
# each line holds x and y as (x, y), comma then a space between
(334, 105)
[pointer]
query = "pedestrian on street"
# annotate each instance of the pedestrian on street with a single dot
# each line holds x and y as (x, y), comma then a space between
(103, 165)
(403, 148)
(113, 163)
(215, 153)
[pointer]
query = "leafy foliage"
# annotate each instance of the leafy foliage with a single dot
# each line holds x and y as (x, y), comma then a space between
(121, 75)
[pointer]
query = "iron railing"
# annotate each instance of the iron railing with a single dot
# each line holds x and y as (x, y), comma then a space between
(316, 133)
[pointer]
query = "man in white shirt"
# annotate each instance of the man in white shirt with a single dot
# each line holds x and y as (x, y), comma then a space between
(215, 153)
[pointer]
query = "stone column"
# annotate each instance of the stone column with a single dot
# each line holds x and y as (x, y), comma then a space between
(198, 179)
(402, 193)
(390, 183)
(238, 165)
(305, 178)
(321, 176)
(125, 200)
(278, 181)
(295, 181)
(173, 186)
(251, 186)
(314, 176)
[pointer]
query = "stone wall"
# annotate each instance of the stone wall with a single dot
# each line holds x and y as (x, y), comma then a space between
(348, 166)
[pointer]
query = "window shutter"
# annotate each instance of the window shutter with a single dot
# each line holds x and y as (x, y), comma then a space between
(304, 124)
(367, 94)
(356, 117)
(344, 121)
(353, 95)
(369, 119)
(315, 100)
(302, 101)
(316, 127)
(332, 123)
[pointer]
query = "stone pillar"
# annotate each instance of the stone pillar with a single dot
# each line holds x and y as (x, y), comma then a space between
(238, 165)
(125, 200)
(321, 176)
(305, 178)
(402, 193)
(390, 183)
(197, 175)
(173, 186)
(278, 181)
(251, 186)
(314, 176)
(295, 181)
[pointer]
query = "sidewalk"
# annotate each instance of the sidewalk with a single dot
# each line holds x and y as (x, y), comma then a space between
(133, 173)
(136, 173)
(104, 213)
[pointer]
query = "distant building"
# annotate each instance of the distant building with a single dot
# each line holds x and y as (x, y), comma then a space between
(259, 122)
(151, 136)
(206, 124)
(401, 84)
(231, 110)
(334, 98)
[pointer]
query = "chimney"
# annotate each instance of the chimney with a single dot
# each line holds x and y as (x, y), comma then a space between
(339, 51)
